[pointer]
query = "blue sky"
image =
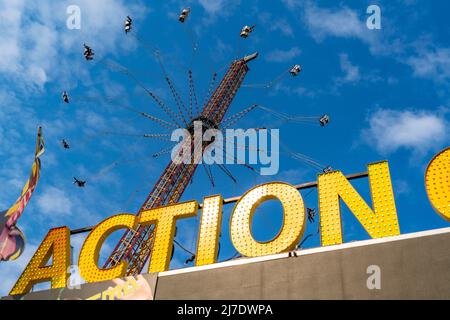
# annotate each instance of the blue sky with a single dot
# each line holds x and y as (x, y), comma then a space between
(385, 90)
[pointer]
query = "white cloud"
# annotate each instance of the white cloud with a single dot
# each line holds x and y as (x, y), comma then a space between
(216, 10)
(401, 187)
(289, 90)
(282, 26)
(10, 16)
(342, 22)
(213, 7)
(418, 131)
(53, 202)
(351, 71)
(352, 74)
(291, 4)
(283, 55)
(431, 63)
(275, 23)
(34, 36)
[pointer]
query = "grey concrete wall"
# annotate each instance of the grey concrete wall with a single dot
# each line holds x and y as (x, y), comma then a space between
(417, 268)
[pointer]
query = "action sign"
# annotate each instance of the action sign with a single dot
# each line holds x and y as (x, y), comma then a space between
(379, 221)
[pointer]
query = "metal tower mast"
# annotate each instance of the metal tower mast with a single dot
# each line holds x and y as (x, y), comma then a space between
(136, 245)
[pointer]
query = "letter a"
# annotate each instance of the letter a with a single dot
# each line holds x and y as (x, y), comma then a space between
(57, 245)
(374, 21)
(74, 19)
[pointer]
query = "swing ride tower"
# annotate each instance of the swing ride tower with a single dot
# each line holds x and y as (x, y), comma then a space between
(136, 246)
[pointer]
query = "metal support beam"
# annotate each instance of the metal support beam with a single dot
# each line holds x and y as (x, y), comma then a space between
(302, 186)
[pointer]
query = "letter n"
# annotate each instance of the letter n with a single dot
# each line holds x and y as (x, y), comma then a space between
(380, 222)
(56, 245)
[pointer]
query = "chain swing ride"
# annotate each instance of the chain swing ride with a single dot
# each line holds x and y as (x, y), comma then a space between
(135, 246)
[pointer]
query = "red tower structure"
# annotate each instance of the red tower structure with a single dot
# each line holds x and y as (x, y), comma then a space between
(136, 245)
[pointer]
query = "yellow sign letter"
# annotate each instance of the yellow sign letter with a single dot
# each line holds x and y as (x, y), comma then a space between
(165, 220)
(56, 245)
(210, 225)
(89, 254)
(293, 221)
(437, 182)
(379, 223)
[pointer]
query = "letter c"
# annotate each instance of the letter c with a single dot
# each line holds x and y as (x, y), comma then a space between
(88, 260)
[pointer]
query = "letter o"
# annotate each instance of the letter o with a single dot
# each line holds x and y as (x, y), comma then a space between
(437, 183)
(89, 254)
(293, 220)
